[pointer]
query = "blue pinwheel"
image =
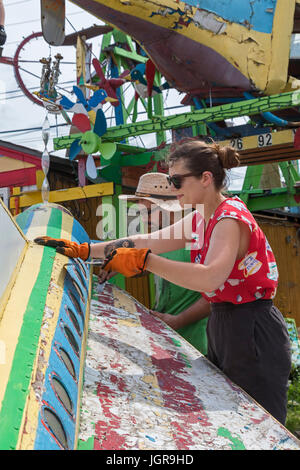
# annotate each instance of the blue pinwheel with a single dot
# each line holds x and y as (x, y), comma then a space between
(83, 105)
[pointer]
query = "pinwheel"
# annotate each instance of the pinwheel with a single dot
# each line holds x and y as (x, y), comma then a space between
(83, 106)
(109, 85)
(143, 77)
(90, 141)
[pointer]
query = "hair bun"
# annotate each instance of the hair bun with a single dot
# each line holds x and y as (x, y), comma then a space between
(228, 156)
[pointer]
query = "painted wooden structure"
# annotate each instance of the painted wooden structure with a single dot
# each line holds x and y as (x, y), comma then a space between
(21, 178)
(18, 166)
(85, 366)
(42, 330)
(146, 388)
(244, 45)
(282, 233)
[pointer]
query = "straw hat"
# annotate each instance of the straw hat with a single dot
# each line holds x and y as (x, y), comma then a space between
(154, 187)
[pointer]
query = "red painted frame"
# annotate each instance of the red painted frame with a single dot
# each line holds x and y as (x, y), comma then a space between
(22, 177)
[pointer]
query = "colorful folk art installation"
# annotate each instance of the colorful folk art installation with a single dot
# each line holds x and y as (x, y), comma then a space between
(43, 328)
(86, 111)
(86, 366)
(200, 45)
(109, 85)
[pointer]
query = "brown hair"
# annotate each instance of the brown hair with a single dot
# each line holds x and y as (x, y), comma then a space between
(199, 156)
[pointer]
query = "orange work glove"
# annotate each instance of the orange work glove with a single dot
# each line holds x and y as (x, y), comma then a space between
(66, 247)
(127, 261)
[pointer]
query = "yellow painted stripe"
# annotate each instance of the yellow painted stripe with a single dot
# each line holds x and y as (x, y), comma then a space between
(281, 37)
(13, 313)
(29, 425)
(122, 300)
(12, 319)
(61, 195)
(11, 164)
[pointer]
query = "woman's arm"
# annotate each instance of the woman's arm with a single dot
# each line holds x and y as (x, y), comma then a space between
(219, 262)
(199, 310)
(167, 239)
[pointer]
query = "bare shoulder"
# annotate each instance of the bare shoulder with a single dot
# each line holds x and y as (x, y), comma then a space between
(235, 232)
(226, 225)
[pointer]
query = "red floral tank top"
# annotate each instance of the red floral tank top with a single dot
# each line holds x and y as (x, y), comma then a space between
(253, 277)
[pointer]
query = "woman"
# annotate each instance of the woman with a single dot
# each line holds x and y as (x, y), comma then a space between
(235, 270)
(158, 208)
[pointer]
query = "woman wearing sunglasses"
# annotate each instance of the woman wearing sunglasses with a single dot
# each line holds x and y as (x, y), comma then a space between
(235, 271)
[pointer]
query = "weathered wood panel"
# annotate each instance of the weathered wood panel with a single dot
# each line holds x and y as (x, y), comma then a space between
(145, 387)
(283, 237)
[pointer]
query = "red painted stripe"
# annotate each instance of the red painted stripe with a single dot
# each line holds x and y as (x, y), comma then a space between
(177, 393)
(22, 177)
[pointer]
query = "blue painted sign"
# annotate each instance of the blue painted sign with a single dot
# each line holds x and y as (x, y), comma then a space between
(256, 14)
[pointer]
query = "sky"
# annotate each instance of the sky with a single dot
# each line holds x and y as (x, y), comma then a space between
(18, 113)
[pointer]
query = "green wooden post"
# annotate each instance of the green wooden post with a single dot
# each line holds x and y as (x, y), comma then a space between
(251, 181)
(111, 216)
(290, 174)
(118, 280)
(151, 283)
(158, 102)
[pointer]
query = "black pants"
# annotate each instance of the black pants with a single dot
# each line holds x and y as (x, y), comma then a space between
(251, 345)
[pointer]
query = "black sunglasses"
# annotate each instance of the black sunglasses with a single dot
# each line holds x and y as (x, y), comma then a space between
(176, 180)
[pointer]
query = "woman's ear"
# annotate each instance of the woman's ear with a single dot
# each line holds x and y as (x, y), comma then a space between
(206, 178)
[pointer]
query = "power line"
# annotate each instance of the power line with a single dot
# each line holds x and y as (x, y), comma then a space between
(17, 3)
(33, 129)
(38, 19)
(31, 88)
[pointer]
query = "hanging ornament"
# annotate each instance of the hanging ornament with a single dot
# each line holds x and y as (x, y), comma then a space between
(45, 160)
(91, 169)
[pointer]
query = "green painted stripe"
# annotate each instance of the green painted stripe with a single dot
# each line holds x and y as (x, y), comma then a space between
(86, 445)
(19, 379)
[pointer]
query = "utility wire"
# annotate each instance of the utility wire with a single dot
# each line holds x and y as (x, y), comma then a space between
(31, 88)
(38, 19)
(17, 3)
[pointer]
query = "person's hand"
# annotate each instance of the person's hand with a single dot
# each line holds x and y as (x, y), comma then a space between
(170, 320)
(104, 276)
(66, 247)
(127, 261)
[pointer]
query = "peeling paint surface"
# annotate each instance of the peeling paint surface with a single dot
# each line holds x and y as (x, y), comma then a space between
(145, 387)
(257, 14)
(244, 44)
